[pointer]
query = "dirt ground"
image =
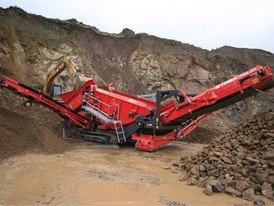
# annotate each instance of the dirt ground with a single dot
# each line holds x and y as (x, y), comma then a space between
(38, 167)
(95, 174)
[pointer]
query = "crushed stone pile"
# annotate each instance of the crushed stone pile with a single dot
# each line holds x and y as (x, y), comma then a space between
(30, 133)
(239, 162)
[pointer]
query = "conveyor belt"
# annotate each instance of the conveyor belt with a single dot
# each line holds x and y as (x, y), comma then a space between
(223, 103)
(35, 95)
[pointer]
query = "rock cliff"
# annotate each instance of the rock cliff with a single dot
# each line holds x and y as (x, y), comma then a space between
(31, 45)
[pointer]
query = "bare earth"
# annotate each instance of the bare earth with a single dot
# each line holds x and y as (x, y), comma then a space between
(95, 174)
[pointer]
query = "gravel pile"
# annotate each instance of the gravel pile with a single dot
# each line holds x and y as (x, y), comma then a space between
(35, 132)
(240, 162)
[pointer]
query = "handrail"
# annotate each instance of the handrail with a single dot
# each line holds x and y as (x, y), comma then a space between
(97, 105)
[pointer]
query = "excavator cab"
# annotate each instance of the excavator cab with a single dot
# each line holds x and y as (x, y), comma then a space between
(56, 90)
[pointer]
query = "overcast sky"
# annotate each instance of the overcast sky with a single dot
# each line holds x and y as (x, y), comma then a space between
(208, 24)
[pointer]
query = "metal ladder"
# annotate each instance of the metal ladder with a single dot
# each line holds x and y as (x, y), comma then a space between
(120, 133)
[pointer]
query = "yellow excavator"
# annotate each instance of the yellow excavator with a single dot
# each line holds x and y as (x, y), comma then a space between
(65, 63)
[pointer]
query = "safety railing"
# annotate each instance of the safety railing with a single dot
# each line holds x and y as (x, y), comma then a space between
(110, 111)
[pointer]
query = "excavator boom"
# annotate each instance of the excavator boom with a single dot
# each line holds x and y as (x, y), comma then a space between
(65, 63)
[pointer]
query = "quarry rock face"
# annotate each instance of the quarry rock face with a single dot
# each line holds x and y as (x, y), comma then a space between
(31, 45)
(162, 71)
(240, 162)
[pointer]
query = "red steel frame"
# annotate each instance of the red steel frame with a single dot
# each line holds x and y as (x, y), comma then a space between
(130, 107)
(238, 84)
(256, 78)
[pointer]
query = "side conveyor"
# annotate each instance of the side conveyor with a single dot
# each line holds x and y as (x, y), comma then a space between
(32, 94)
